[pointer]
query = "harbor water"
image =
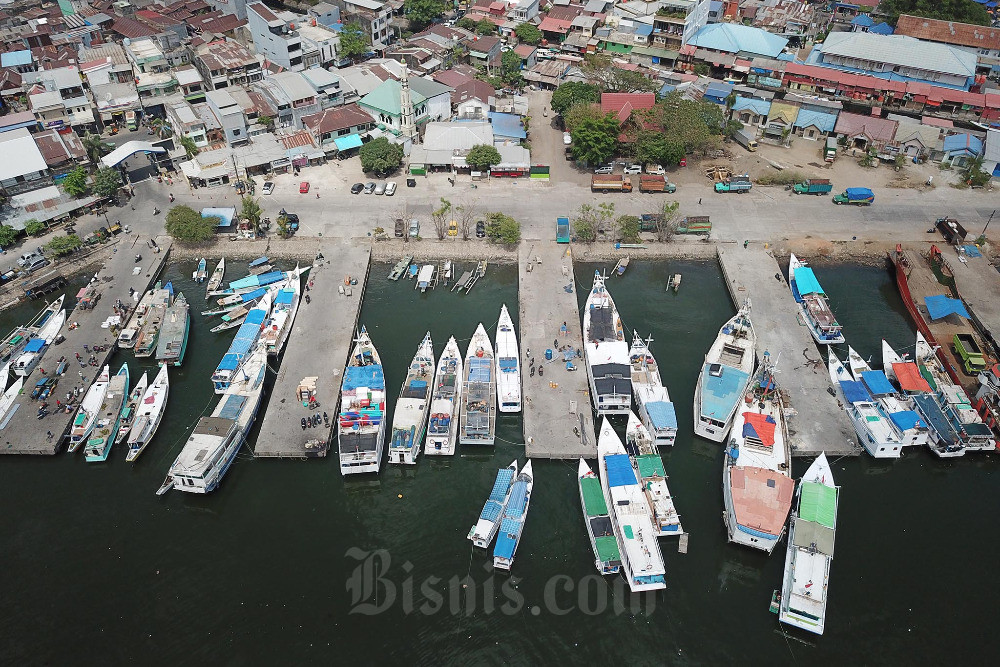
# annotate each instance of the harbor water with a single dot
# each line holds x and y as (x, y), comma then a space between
(289, 563)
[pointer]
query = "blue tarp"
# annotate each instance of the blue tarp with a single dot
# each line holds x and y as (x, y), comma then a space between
(940, 306)
(859, 193)
(225, 215)
(877, 383)
(256, 294)
(370, 376)
(348, 142)
(854, 392)
(906, 419)
(510, 531)
(479, 370)
(507, 364)
(34, 345)
(246, 336)
(720, 394)
(805, 281)
(662, 414)
(972, 250)
(620, 472)
(285, 296)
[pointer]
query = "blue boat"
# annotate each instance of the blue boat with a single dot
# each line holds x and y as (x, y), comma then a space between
(257, 281)
(514, 516)
(239, 350)
(486, 526)
(109, 420)
(259, 261)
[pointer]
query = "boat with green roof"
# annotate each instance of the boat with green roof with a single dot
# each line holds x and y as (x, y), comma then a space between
(652, 476)
(607, 553)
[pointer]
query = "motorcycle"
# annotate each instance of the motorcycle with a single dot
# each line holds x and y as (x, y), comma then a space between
(303, 422)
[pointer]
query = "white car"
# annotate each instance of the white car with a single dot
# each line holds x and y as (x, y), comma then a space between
(268, 188)
(390, 188)
(632, 169)
(567, 139)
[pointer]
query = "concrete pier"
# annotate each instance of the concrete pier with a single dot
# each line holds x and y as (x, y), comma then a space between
(978, 283)
(815, 422)
(558, 401)
(23, 432)
(320, 341)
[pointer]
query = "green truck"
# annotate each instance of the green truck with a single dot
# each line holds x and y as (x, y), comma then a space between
(813, 186)
(856, 196)
(969, 352)
(737, 183)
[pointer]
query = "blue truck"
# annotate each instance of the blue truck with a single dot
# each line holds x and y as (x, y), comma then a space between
(856, 196)
(562, 230)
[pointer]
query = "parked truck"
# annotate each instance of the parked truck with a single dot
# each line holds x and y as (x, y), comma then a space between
(562, 230)
(649, 183)
(813, 186)
(656, 170)
(856, 196)
(969, 352)
(952, 230)
(830, 150)
(746, 139)
(739, 183)
(610, 183)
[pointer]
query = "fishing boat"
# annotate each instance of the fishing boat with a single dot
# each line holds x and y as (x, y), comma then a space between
(174, 333)
(262, 269)
(232, 319)
(90, 408)
(252, 282)
(446, 271)
(410, 416)
(508, 364)
(603, 542)
(442, 429)
(648, 466)
(911, 427)
(756, 473)
(477, 423)
(622, 265)
(35, 349)
(215, 280)
(9, 396)
(131, 406)
(488, 523)
(724, 376)
(641, 560)
(247, 297)
(201, 273)
(130, 332)
(399, 270)
(15, 341)
(279, 325)
(674, 282)
(149, 333)
(149, 414)
(106, 427)
(813, 303)
(811, 534)
(213, 444)
(361, 431)
(652, 399)
(260, 261)
(425, 277)
(606, 353)
(243, 343)
(515, 513)
(876, 432)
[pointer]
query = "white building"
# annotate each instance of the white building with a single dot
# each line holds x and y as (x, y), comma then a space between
(292, 95)
(229, 115)
(275, 38)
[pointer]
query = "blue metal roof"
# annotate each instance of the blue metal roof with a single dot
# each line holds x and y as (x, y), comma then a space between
(877, 383)
(370, 376)
(854, 392)
(720, 394)
(15, 58)
(882, 28)
(507, 125)
(662, 414)
(863, 20)
(518, 499)
(620, 471)
(736, 38)
(759, 107)
(824, 121)
(963, 143)
(805, 281)
(491, 510)
(940, 306)
(348, 142)
(502, 483)
(480, 370)
(256, 294)
(718, 91)
(246, 336)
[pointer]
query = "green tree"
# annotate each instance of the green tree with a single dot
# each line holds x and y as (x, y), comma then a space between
(187, 226)
(600, 69)
(7, 236)
(502, 228)
(96, 147)
(75, 183)
(106, 182)
(695, 125)
(34, 227)
(732, 127)
(590, 220)
(510, 68)
(595, 140)
(961, 11)
(581, 113)
(354, 41)
(974, 175)
(528, 33)
(381, 156)
(440, 217)
(466, 23)
(572, 93)
(627, 228)
(652, 147)
(482, 157)
(666, 220)
(190, 148)
(63, 245)
(161, 127)
(250, 210)
(702, 69)
(486, 27)
(266, 121)
(421, 13)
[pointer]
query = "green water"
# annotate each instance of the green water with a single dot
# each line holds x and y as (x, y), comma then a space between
(276, 567)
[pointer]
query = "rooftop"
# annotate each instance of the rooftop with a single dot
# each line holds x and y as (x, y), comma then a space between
(949, 32)
(58, 148)
(736, 38)
(21, 154)
(900, 50)
(225, 54)
(332, 120)
(876, 129)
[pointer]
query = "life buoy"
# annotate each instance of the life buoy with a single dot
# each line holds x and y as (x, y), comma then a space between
(479, 353)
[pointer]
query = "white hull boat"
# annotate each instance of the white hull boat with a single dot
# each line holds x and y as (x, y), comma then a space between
(875, 431)
(410, 416)
(911, 427)
(89, 410)
(35, 349)
(479, 410)
(648, 466)
(442, 429)
(279, 325)
(515, 513)
(15, 341)
(149, 414)
(131, 405)
(813, 303)
(108, 423)
(361, 426)
(653, 404)
(508, 364)
(9, 397)
(603, 542)
(218, 275)
(488, 523)
(606, 353)
(724, 377)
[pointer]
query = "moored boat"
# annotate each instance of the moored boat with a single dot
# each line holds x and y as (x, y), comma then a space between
(279, 325)
(486, 526)
(35, 349)
(652, 399)
(105, 429)
(875, 431)
(813, 303)
(9, 396)
(201, 273)
(15, 341)
(724, 376)
(603, 542)
(515, 513)
(244, 341)
(442, 428)
(174, 332)
(400, 268)
(149, 414)
(149, 333)
(410, 415)
(622, 265)
(653, 477)
(361, 422)
(215, 280)
(479, 411)
(129, 409)
(899, 409)
(508, 364)
(90, 408)
(606, 352)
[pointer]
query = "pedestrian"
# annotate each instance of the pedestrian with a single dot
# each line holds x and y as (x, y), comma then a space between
(317, 195)
(48, 435)
(746, 244)
(699, 201)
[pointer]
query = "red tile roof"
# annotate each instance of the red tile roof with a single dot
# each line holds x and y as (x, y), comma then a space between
(550, 24)
(525, 50)
(451, 77)
(877, 129)
(617, 102)
(473, 88)
(57, 149)
(332, 120)
(949, 32)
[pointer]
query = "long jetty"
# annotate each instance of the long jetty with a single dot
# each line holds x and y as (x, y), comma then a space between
(22, 432)
(978, 283)
(557, 402)
(815, 422)
(318, 346)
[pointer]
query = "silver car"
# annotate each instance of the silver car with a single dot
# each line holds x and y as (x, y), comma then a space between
(369, 188)
(380, 189)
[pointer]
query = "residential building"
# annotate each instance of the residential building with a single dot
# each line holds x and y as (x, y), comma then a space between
(991, 153)
(676, 22)
(961, 149)
(187, 123)
(229, 116)
(865, 132)
(751, 111)
(63, 152)
(445, 145)
(273, 37)
(508, 128)
(473, 99)
(320, 45)
(293, 97)
(224, 63)
(816, 118)
(984, 41)
(916, 140)
(154, 75)
(20, 61)
(780, 120)
(485, 51)
(109, 74)
(521, 11)
(326, 85)
(59, 99)
(23, 168)
(325, 13)
(528, 55)
(237, 8)
(737, 40)
(431, 102)
(191, 83)
(332, 124)
(374, 17)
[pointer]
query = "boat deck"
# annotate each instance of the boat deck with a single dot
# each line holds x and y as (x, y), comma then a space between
(20, 430)
(978, 283)
(318, 345)
(559, 401)
(815, 422)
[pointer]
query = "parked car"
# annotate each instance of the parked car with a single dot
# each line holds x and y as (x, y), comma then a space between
(357, 188)
(604, 169)
(380, 189)
(399, 228)
(369, 188)
(37, 263)
(303, 187)
(453, 228)
(633, 169)
(411, 182)
(414, 228)
(268, 188)
(390, 188)
(567, 138)
(480, 229)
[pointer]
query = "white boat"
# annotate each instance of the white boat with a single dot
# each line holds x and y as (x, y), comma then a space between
(149, 414)
(130, 332)
(442, 429)
(756, 473)
(35, 349)
(106, 428)
(642, 562)
(171, 346)
(410, 416)
(201, 273)
(218, 275)
(653, 477)
(279, 325)
(10, 396)
(603, 542)
(606, 353)
(813, 304)
(477, 424)
(130, 408)
(243, 343)
(515, 513)
(425, 278)
(361, 430)
(15, 341)
(724, 376)
(486, 526)
(149, 332)
(876, 432)
(622, 265)
(90, 408)
(811, 534)
(215, 441)
(508, 364)
(912, 428)
(652, 400)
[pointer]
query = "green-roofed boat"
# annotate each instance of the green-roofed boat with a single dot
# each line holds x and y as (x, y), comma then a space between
(648, 466)
(603, 541)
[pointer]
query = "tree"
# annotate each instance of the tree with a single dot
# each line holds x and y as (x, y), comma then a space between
(592, 220)
(421, 13)
(467, 214)
(96, 147)
(732, 127)
(652, 147)
(503, 229)
(974, 175)
(190, 148)
(161, 127)
(34, 227)
(528, 33)
(354, 41)
(573, 93)
(266, 121)
(627, 228)
(381, 156)
(695, 125)
(702, 69)
(961, 11)
(581, 113)
(440, 218)
(510, 69)
(466, 23)
(106, 182)
(63, 245)
(7, 236)
(595, 140)
(482, 157)
(188, 227)
(251, 210)
(486, 27)
(666, 221)
(75, 183)
(600, 69)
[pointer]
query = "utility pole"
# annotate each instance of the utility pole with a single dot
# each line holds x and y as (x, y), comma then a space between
(988, 222)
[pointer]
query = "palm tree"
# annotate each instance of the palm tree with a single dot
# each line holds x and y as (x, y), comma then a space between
(161, 127)
(96, 147)
(251, 211)
(190, 148)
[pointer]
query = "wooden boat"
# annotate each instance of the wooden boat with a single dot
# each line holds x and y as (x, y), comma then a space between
(148, 415)
(128, 412)
(218, 275)
(621, 266)
(603, 541)
(399, 270)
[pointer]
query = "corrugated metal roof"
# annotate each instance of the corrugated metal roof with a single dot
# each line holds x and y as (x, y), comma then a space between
(735, 38)
(900, 50)
(759, 107)
(822, 120)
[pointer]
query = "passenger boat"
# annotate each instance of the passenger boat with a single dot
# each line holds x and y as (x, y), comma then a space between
(911, 427)
(442, 429)
(724, 376)
(34, 350)
(149, 333)
(130, 332)
(515, 513)
(215, 280)
(361, 430)
(603, 542)
(488, 523)
(756, 474)
(811, 534)
(105, 430)
(606, 353)
(213, 444)
(149, 414)
(622, 265)
(15, 341)
(653, 477)
(642, 562)
(875, 431)
(243, 343)
(477, 424)
(652, 400)
(813, 303)
(279, 325)
(410, 416)
(131, 405)
(399, 270)
(508, 364)
(174, 332)
(90, 408)
(201, 273)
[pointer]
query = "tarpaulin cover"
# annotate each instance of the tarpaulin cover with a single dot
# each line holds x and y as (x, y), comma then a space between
(661, 414)
(909, 378)
(34, 345)
(972, 250)
(877, 383)
(906, 419)
(620, 472)
(854, 392)
(940, 306)
(759, 426)
(370, 376)
(805, 281)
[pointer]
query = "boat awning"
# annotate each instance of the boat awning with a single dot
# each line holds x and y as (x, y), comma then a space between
(877, 383)
(809, 534)
(854, 392)
(348, 142)
(941, 306)
(805, 281)
(759, 426)
(620, 472)
(818, 502)
(510, 530)
(662, 414)
(34, 345)
(909, 378)
(650, 465)
(285, 296)
(906, 419)
(364, 376)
